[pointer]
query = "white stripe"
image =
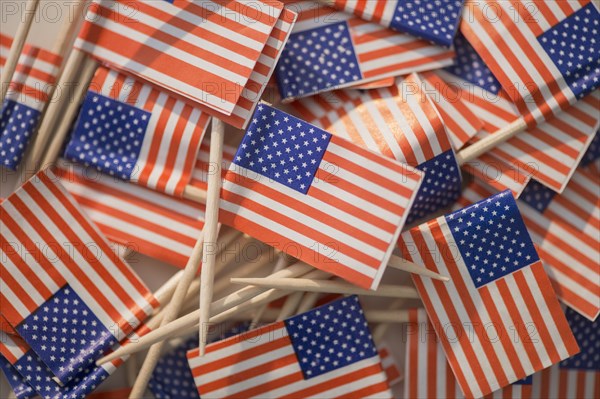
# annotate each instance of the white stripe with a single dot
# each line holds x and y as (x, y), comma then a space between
(14, 299)
(151, 130)
(185, 148)
(164, 145)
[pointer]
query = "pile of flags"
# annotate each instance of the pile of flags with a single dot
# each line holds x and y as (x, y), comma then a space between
(344, 154)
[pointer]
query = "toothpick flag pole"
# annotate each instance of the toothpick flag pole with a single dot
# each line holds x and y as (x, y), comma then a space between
(484, 145)
(308, 302)
(49, 135)
(170, 313)
(282, 262)
(211, 221)
(328, 286)
(238, 301)
(68, 75)
(16, 48)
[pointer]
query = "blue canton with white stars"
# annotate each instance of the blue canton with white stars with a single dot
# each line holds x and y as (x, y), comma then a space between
(469, 66)
(492, 238)
(330, 337)
(283, 148)
(587, 334)
(574, 47)
(317, 59)
(17, 124)
(18, 384)
(172, 378)
(108, 135)
(433, 20)
(537, 196)
(593, 151)
(440, 188)
(39, 376)
(66, 334)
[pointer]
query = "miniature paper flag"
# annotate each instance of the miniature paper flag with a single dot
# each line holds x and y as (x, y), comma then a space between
(540, 52)
(326, 352)
(552, 150)
(134, 131)
(461, 123)
(172, 378)
(29, 375)
(428, 374)
(498, 288)
(152, 223)
(578, 376)
(436, 21)
(329, 50)
(204, 50)
(400, 122)
(64, 290)
(26, 99)
(567, 233)
(317, 196)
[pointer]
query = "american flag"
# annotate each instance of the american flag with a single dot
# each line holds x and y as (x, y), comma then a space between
(399, 122)
(56, 261)
(460, 121)
(329, 50)
(499, 290)
(151, 223)
(26, 99)
(529, 47)
(204, 50)
(436, 21)
(552, 150)
(132, 130)
(567, 233)
(578, 376)
(326, 352)
(28, 374)
(428, 374)
(172, 378)
(318, 197)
